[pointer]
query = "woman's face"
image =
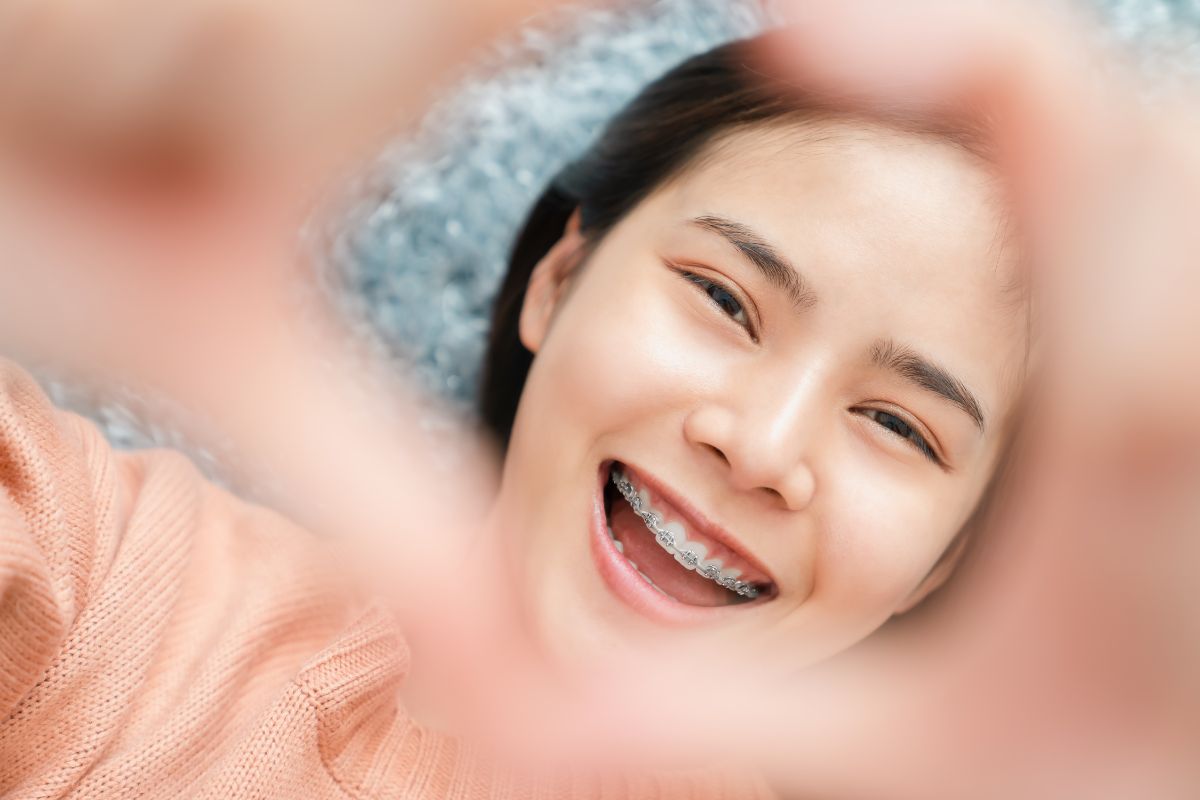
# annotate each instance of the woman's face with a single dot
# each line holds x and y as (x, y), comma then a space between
(800, 354)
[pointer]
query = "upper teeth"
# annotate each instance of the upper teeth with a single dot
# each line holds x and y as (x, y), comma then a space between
(672, 537)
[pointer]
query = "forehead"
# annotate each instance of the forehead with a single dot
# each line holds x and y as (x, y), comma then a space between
(872, 197)
(898, 235)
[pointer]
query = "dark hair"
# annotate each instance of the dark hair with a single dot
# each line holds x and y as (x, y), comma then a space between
(650, 141)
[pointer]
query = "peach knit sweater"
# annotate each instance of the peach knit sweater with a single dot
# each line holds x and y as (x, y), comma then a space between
(160, 638)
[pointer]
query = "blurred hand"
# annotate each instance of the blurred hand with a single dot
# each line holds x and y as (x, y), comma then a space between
(156, 159)
(157, 162)
(236, 84)
(1066, 662)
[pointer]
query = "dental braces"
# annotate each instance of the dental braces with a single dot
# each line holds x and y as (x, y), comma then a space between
(667, 540)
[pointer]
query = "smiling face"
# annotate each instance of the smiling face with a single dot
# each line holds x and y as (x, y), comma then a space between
(798, 354)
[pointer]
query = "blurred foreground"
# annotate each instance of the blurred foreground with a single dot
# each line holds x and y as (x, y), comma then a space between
(153, 184)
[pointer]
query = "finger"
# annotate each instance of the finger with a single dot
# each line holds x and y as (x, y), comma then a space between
(1027, 75)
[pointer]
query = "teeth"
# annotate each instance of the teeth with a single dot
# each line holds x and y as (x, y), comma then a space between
(672, 537)
(652, 583)
(616, 542)
(669, 536)
(690, 554)
(621, 549)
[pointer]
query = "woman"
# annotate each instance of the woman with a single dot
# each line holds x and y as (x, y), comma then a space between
(753, 366)
(794, 329)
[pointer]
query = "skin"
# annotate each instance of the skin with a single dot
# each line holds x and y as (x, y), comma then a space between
(1041, 90)
(768, 430)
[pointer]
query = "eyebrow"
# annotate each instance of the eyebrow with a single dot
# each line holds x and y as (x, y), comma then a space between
(758, 251)
(919, 370)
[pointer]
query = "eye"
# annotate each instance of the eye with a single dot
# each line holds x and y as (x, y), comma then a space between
(902, 429)
(722, 298)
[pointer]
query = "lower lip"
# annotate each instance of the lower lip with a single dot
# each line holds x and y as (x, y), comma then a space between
(631, 588)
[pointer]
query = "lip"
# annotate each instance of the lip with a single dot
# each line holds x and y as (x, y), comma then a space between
(624, 581)
(695, 520)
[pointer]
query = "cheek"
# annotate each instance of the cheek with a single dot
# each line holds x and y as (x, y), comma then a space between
(882, 535)
(622, 352)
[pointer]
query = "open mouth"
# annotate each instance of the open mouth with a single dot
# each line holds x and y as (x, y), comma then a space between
(672, 549)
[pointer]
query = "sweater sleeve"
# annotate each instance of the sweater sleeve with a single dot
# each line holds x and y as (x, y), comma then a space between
(152, 626)
(160, 638)
(59, 508)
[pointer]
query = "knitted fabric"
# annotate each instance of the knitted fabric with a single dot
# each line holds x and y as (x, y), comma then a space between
(161, 638)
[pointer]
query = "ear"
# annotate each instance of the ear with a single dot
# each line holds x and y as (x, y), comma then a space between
(548, 283)
(937, 576)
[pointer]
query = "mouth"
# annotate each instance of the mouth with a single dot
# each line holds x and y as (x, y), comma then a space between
(662, 555)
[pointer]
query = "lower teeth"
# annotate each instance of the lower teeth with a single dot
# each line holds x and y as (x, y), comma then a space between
(667, 540)
(621, 550)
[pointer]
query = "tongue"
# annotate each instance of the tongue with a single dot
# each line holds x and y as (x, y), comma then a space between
(660, 566)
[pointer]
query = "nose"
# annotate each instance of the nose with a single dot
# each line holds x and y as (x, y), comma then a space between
(765, 441)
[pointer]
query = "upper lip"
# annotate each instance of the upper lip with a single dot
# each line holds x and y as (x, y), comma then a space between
(694, 519)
